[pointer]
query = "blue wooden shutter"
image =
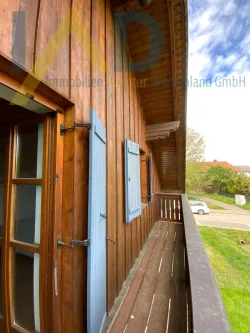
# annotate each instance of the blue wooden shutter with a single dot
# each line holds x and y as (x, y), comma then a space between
(132, 180)
(97, 228)
(150, 168)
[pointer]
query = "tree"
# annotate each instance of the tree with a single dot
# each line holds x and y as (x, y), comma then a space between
(239, 185)
(195, 177)
(195, 146)
(219, 177)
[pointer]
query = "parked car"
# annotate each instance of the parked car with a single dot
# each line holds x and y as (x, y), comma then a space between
(199, 207)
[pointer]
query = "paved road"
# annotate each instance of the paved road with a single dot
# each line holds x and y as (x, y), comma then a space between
(232, 217)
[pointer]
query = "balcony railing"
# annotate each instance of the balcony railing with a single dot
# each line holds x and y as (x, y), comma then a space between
(169, 208)
(172, 288)
(205, 309)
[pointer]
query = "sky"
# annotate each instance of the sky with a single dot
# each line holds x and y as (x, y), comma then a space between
(219, 55)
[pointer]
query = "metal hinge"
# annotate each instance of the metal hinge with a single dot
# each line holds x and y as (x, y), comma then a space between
(85, 242)
(74, 243)
(63, 129)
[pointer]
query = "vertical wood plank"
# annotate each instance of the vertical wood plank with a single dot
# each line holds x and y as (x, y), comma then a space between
(133, 138)
(53, 47)
(68, 211)
(6, 10)
(128, 235)
(126, 119)
(112, 262)
(79, 70)
(98, 61)
(30, 8)
(120, 181)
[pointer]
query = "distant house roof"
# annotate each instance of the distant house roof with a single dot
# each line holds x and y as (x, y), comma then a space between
(243, 168)
(223, 164)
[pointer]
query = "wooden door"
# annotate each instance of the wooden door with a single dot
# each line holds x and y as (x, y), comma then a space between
(24, 219)
(97, 308)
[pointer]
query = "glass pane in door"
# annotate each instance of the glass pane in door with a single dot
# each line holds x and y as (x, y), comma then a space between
(29, 151)
(26, 290)
(1, 208)
(27, 215)
(3, 142)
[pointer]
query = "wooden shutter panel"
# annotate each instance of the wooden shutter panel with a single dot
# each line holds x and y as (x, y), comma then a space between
(132, 180)
(150, 167)
(97, 227)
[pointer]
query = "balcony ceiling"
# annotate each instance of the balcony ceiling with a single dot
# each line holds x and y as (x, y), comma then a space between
(164, 94)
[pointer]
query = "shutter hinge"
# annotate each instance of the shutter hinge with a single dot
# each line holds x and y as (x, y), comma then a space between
(63, 129)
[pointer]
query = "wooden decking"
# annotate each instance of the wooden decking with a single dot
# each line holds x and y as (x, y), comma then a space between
(156, 299)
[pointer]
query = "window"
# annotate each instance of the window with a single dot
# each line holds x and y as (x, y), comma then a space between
(138, 180)
(146, 178)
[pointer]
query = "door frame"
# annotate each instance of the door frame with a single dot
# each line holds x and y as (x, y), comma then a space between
(60, 104)
(50, 223)
(8, 243)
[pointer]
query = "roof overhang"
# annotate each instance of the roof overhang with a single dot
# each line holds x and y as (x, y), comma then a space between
(157, 41)
(161, 131)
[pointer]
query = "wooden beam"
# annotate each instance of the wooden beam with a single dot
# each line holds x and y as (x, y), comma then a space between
(173, 63)
(171, 126)
(13, 79)
(161, 131)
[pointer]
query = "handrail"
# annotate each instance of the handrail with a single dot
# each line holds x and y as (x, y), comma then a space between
(208, 312)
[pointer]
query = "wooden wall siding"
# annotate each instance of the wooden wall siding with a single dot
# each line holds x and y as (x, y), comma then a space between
(6, 9)
(160, 102)
(122, 111)
(51, 15)
(165, 153)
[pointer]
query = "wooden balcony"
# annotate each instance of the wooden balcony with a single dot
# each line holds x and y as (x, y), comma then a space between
(172, 286)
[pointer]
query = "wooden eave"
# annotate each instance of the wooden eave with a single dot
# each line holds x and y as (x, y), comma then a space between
(163, 97)
(161, 131)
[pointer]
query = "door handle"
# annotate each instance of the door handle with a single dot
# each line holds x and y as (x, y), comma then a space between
(103, 215)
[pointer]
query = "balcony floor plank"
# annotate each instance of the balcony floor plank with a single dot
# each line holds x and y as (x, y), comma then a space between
(145, 308)
(159, 315)
(178, 308)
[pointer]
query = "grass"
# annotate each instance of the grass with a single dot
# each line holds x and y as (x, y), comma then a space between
(231, 265)
(211, 206)
(224, 199)
(192, 198)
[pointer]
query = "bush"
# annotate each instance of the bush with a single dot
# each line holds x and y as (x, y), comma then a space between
(239, 185)
(218, 178)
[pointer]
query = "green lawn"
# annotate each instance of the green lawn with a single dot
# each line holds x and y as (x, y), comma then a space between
(231, 265)
(224, 199)
(211, 206)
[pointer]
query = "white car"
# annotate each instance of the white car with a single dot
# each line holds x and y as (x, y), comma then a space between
(199, 207)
